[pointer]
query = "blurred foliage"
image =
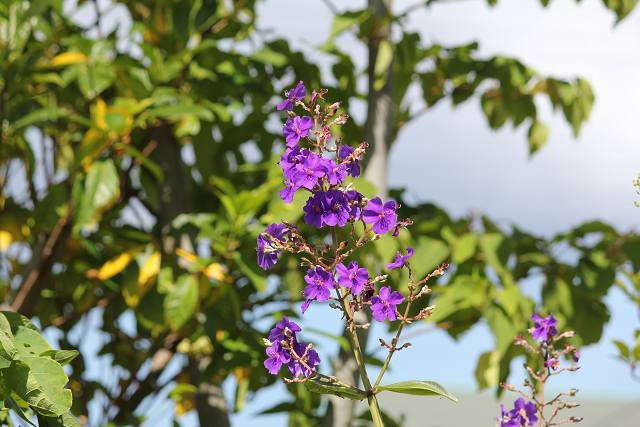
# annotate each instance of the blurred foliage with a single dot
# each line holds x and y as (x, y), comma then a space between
(137, 170)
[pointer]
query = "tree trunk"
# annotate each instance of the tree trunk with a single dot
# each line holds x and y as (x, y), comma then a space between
(175, 199)
(378, 131)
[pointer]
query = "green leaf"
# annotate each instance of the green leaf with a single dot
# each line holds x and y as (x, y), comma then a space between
(488, 370)
(624, 350)
(8, 350)
(36, 117)
(180, 111)
(65, 420)
(268, 56)
(259, 281)
(16, 319)
(101, 189)
(324, 386)
(61, 356)
(621, 7)
(181, 301)
(419, 388)
(538, 134)
(465, 248)
(28, 342)
(9, 402)
(5, 390)
(382, 64)
(39, 381)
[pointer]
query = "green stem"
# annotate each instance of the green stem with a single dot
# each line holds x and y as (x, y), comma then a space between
(357, 351)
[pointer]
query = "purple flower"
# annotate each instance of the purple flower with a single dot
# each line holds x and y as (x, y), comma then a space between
(286, 194)
(354, 199)
(552, 363)
(298, 93)
(353, 166)
(277, 334)
(305, 305)
(523, 412)
(312, 360)
(307, 173)
(335, 207)
(327, 208)
(267, 257)
(382, 217)
(336, 173)
(320, 284)
(543, 328)
(291, 158)
(385, 304)
(396, 229)
(400, 260)
(314, 209)
(277, 356)
(352, 277)
(297, 128)
(576, 355)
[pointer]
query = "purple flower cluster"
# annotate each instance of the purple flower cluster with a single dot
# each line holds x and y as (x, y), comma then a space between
(545, 328)
(284, 345)
(523, 414)
(267, 255)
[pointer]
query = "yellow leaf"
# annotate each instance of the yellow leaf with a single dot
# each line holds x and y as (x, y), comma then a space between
(214, 271)
(116, 264)
(185, 405)
(5, 240)
(68, 58)
(149, 269)
(242, 372)
(100, 114)
(186, 255)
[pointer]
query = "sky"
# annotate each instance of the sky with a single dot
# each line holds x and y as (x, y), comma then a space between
(451, 158)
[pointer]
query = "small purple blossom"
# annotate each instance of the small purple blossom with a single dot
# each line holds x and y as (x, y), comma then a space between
(314, 209)
(336, 207)
(312, 360)
(291, 158)
(277, 356)
(354, 199)
(277, 334)
(523, 412)
(352, 277)
(286, 194)
(543, 328)
(382, 217)
(320, 284)
(267, 257)
(552, 363)
(353, 167)
(400, 260)
(307, 173)
(335, 173)
(576, 355)
(384, 305)
(298, 93)
(296, 128)
(327, 208)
